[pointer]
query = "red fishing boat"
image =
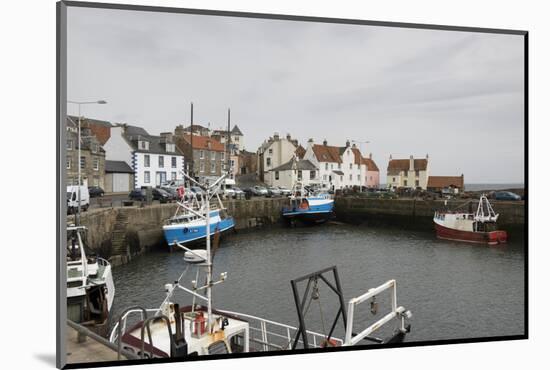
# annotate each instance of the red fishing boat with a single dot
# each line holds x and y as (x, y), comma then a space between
(479, 227)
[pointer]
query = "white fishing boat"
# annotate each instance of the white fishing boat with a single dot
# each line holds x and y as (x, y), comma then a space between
(308, 206)
(174, 331)
(90, 287)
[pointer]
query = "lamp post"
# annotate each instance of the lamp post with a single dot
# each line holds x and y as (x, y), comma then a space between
(80, 103)
(360, 149)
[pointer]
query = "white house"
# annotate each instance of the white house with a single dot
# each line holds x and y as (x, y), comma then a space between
(295, 170)
(408, 173)
(273, 153)
(154, 159)
(341, 167)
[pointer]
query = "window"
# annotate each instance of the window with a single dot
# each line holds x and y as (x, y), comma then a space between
(174, 162)
(339, 166)
(393, 180)
(82, 162)
(223, 156)
(276, 175)
(170, 147)
(351, 166)
(405, 183)
(161, 161)
(201, 154)
(325, 177)
(202, 166)
(332, 166)
(69, 163)
(326, 166)
(268, 161)
(174, 175)
(96, 164)
(417, 173)
(350, 177)
(213, 156)
(417, 183)
(95, 148)
(406, 173)
(341, 178)
(147, 177)
(144, 145)
(358, 167)
(146, 160)
(299, 175)
(69, 145)
(270, 151)
(358, 177)
(311, 175)
(212, 167)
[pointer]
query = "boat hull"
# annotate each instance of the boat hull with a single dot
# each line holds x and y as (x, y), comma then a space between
(490, 238)
(316, 213)
(188, 235)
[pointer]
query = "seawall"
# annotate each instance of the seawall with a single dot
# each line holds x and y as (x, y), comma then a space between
(120, 233)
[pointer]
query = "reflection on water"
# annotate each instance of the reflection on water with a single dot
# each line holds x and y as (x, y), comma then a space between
(455, 290)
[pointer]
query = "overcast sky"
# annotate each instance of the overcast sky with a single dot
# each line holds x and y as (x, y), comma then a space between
(456, 96)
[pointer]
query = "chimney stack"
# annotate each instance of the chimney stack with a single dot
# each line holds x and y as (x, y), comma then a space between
(325, 142)
(276, 136)
(288, 137)
(411, 163)
(347, 143)
(370, 156)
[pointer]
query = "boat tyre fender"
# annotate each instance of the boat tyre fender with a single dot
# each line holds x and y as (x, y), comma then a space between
(185, 230)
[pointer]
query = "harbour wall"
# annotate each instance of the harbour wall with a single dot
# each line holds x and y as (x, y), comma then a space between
(418, 213)
(119, 233)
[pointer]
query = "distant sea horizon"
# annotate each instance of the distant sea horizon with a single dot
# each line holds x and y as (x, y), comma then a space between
(485, 186)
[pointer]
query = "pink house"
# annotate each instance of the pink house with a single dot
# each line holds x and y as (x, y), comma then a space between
(372, 174)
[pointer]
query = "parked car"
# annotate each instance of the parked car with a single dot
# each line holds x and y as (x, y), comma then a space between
(72, 198)
(248, 193)
(197, 191)
(172, 191)
(284, 191)
(259, 190)
(161, 195)
(506, 195)
(273, 191)
(239, 194)
(228, 192)
(137, 194)
(95, 191)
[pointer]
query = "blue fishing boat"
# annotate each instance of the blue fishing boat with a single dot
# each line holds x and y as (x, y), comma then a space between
(188, 225)
(308, 206)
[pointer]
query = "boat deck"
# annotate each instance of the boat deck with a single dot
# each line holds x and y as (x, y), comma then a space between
(89, 350)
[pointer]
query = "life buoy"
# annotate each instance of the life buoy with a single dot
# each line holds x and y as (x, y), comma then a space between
(181, 191)
(185, 230)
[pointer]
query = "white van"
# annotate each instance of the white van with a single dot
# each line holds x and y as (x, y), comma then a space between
(72, 198)
(227, 188)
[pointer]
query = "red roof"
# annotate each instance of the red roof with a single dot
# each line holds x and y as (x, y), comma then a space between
(404, 164)
(445, 181)
(325, 153)
(205, 143)
(371, 166)
(300, 152)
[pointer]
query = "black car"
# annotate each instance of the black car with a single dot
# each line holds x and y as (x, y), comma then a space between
(95, 191)
(137, 194)
(161, 195)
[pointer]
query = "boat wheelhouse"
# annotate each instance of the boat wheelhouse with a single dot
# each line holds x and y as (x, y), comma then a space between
(188, 225)
(308, 205)
(90, 286)
(479, 227)
(197, 329)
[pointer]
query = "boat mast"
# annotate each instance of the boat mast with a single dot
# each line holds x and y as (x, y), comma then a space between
(208, 261)
(191, 163)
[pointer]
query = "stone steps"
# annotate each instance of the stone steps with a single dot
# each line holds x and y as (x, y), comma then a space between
(118, 235)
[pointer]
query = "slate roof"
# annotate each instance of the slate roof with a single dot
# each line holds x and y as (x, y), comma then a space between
(89, 120)
(338, 172)
(301, 165)
(117, 167)
(445, 181)
(156, 143)
(236, 131)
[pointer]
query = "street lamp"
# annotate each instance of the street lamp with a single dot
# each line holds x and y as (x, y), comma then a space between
(360, 149)
(80, 103)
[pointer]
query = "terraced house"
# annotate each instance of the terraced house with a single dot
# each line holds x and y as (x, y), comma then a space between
(92, 156)
(154, 159)
(208, 155)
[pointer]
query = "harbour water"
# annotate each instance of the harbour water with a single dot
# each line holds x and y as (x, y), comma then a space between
(454, 290)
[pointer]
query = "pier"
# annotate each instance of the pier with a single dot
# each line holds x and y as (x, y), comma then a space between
(118, 233)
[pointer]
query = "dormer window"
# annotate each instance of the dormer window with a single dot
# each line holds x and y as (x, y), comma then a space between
(170, 147)
(143, 145)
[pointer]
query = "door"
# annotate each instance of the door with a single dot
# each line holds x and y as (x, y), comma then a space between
(121, 182)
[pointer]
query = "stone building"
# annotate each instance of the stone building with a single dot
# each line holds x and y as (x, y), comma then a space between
(274, 152)
(92, 156)
(295, 170)
(208, 155)
(446, 184)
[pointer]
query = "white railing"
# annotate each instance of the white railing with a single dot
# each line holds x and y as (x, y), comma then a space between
(396, 312)
(266, 334)
(272, 335)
